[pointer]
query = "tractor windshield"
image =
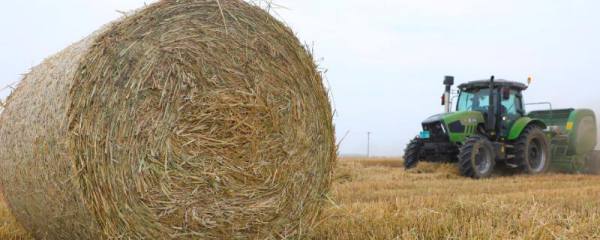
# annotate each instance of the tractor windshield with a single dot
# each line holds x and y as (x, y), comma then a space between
(474, 100)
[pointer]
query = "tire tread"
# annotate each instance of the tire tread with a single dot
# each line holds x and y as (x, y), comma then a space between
(411, 154)
(464, 157)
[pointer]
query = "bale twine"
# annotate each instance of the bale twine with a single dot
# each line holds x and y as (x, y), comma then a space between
(188, 119)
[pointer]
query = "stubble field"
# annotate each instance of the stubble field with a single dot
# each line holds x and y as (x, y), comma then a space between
(377, 199)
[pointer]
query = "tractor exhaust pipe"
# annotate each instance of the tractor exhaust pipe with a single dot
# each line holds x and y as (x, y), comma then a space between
(491, 116)
(446, 101)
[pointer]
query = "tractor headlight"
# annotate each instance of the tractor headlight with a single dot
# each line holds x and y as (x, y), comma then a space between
(443, 127)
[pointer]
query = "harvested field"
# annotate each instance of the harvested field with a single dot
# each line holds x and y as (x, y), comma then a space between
(376, 199)
(371, 200)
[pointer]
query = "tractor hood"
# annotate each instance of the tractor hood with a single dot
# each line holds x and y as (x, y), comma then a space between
(436, 118)
(464, 117)
(457, 125)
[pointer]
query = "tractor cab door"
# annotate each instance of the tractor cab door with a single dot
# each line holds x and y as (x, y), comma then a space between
(511, 109)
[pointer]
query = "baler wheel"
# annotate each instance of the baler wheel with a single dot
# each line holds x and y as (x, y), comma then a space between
(593, 163)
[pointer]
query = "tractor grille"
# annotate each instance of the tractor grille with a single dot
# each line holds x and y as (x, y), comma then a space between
(437, 130)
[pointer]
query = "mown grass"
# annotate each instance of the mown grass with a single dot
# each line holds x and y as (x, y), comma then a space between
(377, 199)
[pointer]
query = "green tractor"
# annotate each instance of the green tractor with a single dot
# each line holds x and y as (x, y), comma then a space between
(490, 129)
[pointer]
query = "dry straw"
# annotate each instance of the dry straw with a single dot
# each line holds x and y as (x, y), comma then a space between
(185, 120)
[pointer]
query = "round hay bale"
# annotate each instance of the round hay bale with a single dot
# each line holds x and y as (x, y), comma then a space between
(187, 119)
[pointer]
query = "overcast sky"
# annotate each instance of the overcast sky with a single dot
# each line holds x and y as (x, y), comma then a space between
(385, 59)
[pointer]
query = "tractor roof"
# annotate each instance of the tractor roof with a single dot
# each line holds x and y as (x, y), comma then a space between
(497, 83)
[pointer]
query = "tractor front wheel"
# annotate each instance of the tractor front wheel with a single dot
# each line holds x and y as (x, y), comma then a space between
(532, 151)
(477, 157)
(412, 154)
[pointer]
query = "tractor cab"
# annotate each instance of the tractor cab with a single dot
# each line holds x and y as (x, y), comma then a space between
(504, 97)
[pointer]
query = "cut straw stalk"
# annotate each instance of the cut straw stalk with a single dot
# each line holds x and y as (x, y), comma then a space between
(164, 125)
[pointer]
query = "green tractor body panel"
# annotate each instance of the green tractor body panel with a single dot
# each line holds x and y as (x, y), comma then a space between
(462, 125)
(520, 125)
(459, 125)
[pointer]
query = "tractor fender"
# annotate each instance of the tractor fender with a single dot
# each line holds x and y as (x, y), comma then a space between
(521, 124)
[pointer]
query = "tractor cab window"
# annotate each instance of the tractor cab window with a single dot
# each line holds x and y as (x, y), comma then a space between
(474, 100)
(511, 106)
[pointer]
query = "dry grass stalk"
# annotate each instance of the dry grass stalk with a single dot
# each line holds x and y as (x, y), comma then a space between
(9, 228)
(434, 202)
(165, 125)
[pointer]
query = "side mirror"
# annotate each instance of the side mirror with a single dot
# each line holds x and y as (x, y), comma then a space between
(505, 93)
(443, 100)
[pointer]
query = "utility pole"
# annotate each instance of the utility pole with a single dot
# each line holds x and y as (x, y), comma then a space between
(368, 144)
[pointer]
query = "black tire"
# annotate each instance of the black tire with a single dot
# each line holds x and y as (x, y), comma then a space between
(477, 157)
(592, 164)
(411, 154)
(532, 151)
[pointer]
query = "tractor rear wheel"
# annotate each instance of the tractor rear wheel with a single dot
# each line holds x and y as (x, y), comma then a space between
(477, 157)
(532, 151)
(412, 154)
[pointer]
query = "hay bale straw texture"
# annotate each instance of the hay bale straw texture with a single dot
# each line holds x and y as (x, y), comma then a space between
(188, 119)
